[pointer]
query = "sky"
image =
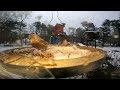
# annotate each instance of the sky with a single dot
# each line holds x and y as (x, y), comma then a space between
(74, 18)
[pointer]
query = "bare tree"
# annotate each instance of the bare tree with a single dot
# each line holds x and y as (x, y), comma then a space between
(72, 30)
(6, 15)
(21, 16)
(38, 17)
(38, 24)
(32, 28)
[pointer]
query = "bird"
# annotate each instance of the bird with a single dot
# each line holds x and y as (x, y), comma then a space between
(65, 42)
(37, 42)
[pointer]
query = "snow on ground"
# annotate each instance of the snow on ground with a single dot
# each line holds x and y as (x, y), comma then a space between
(2, 48)
(109, 48)
(114, 54)
(6, 48)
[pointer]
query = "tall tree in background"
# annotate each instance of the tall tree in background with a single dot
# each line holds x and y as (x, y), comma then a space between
(116, 26)
(80, 34)
(6, 15)
(38, 17)
(110, 29)
(105, 29)
(42, 28)
(21, 16)
(32, 28)
(50, 29)
(72, 31)
(37, 24)
(7, 25)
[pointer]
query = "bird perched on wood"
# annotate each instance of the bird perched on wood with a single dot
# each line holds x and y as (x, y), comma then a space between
(37, 41)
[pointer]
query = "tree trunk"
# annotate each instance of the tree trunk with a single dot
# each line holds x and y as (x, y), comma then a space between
(21, 34)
